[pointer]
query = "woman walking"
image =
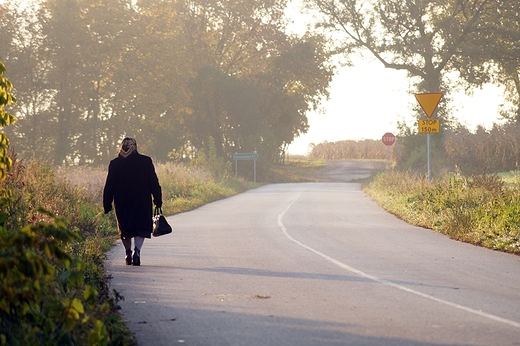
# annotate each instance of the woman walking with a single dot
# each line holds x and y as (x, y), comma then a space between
(131, 182)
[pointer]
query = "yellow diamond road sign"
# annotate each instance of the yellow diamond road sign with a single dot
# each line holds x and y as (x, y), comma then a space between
(429, 102)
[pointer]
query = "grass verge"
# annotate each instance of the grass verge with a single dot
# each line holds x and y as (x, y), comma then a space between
(483, 210)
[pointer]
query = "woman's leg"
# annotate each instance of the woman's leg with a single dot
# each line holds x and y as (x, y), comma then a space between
(138, 243)
(127, 243)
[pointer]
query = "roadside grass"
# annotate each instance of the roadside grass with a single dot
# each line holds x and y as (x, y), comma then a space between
(483, 209)
(41, 201)
(510, 178)
(186, 188)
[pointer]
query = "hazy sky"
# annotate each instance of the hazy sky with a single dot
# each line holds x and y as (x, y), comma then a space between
(367, 100)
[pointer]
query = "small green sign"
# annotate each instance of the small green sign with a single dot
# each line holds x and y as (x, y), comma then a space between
(245, 156)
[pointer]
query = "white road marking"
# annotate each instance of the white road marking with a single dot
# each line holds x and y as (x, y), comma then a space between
(383, 281)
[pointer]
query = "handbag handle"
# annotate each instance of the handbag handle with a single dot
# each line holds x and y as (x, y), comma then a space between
(157, 211)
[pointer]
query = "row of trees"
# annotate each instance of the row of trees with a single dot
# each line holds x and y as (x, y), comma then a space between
(350, 149)
(172, 73)
(177, 74)
(483, 151)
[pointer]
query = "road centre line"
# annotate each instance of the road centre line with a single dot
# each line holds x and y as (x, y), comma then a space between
(383, 281)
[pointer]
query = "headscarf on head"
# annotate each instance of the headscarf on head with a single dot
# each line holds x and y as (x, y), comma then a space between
(128, 146)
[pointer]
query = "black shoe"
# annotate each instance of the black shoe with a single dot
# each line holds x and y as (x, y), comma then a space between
(137, 257)
(128, 257)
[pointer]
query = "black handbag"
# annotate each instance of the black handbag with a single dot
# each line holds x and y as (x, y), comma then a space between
(160, 225)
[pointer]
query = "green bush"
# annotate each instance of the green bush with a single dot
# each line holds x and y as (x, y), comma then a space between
(44, 298)
(47, 296)
(209, 161)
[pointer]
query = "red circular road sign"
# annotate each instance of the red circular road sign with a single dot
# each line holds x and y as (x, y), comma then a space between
(388, 139)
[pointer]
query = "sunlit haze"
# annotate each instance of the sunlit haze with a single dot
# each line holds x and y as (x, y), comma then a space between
(367, 100)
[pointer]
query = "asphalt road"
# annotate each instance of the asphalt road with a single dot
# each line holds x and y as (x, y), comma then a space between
(314, 264)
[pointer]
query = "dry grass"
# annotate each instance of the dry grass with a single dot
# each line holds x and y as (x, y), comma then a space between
(91, 180)
(481, 210)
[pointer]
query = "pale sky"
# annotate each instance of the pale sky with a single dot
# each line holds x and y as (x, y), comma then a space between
(367, 100)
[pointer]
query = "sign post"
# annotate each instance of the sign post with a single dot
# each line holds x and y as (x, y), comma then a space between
(429, 103)
(246, 156)
(388, 140)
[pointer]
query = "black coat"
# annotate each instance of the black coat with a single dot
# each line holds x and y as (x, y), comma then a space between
(131, 183)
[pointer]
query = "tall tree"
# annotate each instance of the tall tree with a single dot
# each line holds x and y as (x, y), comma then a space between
(106, 24)
(296, 81)
(23, 50)
(227, 109)
(422, 37)
(247, 40)
(64, 39)
(493, 53)
(153, 84)
(84, 41)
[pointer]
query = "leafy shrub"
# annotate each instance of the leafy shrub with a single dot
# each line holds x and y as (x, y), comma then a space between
(44, 299)
(218, 166)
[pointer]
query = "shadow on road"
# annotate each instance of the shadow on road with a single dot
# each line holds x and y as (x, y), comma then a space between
(235, 328)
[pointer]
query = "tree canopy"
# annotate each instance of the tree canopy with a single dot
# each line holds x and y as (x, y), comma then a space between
(180, 74)
(172, 73)
(429, 38)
